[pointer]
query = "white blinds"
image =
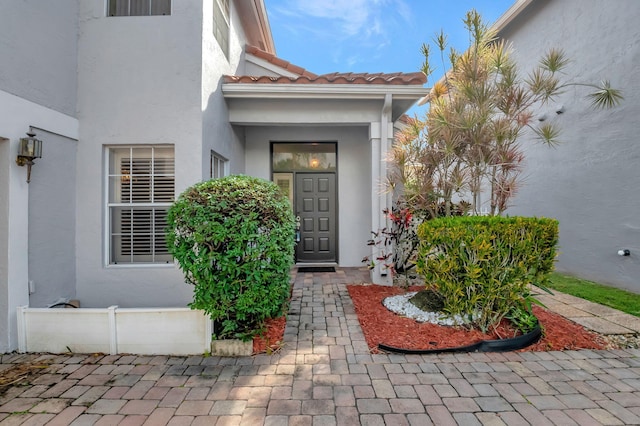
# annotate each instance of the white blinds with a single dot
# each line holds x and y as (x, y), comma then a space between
(141, 188)
(139, 7)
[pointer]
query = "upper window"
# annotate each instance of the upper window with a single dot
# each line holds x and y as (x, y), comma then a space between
(218, 166)
(139, 7)
(141, 190)
(221, 19)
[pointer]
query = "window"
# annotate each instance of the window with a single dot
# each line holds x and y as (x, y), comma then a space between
(314, 156)
(221, 20)
(139, 7)
(218, 166)
(140, 191)
(285, 183)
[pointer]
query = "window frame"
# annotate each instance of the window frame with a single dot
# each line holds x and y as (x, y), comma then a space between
(223, 8)
(223, 165)
(109, 206)
(111, 4)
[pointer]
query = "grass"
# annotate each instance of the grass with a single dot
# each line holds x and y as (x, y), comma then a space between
(622, 300)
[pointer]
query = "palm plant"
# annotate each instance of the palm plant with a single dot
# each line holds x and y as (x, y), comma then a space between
(470, 137)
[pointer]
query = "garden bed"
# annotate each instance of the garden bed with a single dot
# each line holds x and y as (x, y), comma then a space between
(380, 325)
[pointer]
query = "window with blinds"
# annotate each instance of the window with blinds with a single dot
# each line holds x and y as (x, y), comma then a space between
(221, 19)
(141, 189)
(139, 7)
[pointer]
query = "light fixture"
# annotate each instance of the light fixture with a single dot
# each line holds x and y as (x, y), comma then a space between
(314, 163)
(28, 150)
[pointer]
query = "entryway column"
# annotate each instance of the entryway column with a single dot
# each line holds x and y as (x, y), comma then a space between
(14, 232)
(380, 137)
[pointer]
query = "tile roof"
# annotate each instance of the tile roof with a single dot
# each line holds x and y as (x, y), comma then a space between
(306, 77)
(259, 53)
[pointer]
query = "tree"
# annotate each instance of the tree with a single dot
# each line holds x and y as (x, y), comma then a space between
(469, 139)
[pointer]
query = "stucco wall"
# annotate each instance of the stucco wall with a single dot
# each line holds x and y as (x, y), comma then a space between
(16, 116)
(218, 134)
(590, 181)
(52, 220)
(140, 81)
(354, 177)
(254, 67)
(38, 51)
(301, 112)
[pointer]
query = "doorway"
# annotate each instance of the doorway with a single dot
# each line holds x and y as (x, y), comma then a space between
(307, 173)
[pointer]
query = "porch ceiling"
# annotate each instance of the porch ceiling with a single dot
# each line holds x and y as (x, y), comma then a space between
(316, 104)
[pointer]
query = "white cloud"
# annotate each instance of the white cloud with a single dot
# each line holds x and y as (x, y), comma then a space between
(353, 18)
(354, 25)
(350, 16)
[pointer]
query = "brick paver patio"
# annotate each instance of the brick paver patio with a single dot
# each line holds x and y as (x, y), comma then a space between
(325, 375)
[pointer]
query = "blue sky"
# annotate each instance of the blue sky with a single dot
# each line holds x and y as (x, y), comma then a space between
(327, 36)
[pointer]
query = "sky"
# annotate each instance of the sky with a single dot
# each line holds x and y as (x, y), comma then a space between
(326, 36)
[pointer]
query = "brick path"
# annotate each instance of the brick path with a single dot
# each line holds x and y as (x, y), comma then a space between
(325, 375)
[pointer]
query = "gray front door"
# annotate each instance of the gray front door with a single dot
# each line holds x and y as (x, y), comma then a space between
(315, 202)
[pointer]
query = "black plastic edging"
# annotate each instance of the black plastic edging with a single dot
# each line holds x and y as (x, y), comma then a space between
(499, 345)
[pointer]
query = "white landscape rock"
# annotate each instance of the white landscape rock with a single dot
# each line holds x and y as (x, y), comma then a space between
(400, 305)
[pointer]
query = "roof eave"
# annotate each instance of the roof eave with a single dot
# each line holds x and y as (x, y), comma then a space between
(255, 22)
(511, 14)
(326, 91)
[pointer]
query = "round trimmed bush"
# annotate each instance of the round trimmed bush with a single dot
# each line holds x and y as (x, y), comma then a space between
(233, 238)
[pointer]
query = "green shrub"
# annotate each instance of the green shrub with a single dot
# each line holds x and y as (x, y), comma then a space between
(483, 265)
(233, 238)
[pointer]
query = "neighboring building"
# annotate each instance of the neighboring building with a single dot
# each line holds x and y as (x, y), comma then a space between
(134, 104)
(590, 182)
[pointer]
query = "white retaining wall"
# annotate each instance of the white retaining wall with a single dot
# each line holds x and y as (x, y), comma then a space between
(148, 331)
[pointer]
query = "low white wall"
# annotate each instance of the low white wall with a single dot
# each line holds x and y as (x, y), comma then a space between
(149, 331)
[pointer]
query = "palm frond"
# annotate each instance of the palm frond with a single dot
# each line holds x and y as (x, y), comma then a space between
(438, 89)
(554, 61)
(453, 58)
(500, 56)
(548, 134)
(536, 82)
(426, 67)
(441, 40)
(606, 96)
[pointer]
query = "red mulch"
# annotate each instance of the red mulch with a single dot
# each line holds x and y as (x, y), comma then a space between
(380, 325)
(271, 340)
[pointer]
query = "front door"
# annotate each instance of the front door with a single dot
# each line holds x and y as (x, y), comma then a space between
(315, 205)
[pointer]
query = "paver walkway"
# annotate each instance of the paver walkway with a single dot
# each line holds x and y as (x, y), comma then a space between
(324, 375)
(601, 319)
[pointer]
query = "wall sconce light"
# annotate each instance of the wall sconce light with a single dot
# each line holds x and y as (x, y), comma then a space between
(314, 163)
(28, 150)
